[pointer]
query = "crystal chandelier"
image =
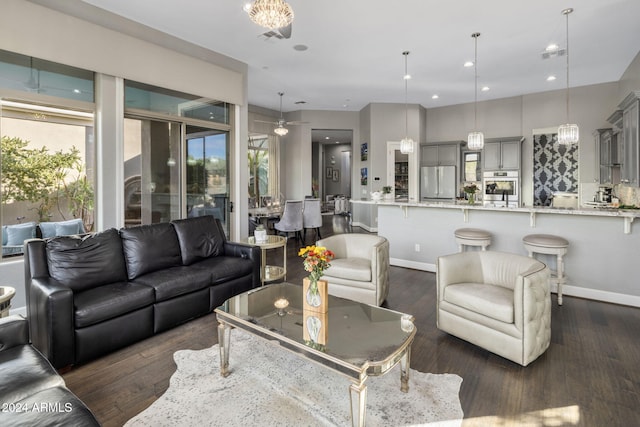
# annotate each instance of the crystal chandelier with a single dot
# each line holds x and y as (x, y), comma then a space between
(271, 13)
(569, 133)
(475, 140)
(406, 145)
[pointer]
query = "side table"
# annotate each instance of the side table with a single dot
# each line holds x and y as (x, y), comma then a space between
(6, 293)
(269, 273)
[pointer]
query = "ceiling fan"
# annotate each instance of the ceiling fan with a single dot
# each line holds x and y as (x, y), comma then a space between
(280, 129)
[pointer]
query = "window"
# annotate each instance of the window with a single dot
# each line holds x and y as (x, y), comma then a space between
(47, 173)
(258, 160)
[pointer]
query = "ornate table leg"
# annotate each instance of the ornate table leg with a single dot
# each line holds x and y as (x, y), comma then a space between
(404, 370)
(224, 340)
(358, 396)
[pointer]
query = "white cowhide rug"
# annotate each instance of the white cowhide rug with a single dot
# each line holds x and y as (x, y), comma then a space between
(270, 386)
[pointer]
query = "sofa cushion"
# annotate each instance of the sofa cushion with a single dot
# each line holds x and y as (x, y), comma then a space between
(108, 301)
(149, 248)
(18, 233)
(24, 371)
(61, 228)
(199, 237)
(86, 262)
(225, 268)
(350, 268)
(492, 301)
(175, 281)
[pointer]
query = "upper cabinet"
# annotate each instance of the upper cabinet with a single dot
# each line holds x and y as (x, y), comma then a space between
(439, 154)
(607, 145)
(501, 155)
(630, 144)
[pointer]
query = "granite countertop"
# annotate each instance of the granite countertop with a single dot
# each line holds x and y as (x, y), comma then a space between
(464, 205)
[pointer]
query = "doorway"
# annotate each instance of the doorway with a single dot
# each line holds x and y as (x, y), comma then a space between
(331, 164)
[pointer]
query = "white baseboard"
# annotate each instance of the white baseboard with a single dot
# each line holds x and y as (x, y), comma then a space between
(364, 226)
(567, 290)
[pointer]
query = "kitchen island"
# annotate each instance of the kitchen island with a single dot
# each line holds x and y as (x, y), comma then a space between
(603, 261)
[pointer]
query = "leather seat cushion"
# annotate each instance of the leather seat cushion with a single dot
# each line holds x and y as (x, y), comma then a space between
(108, 301)
(172, 282)
(492, 301)
(225, 268)
(24, 371)
(351, 268)
(199, 237)
(86, 262)
(149, 248)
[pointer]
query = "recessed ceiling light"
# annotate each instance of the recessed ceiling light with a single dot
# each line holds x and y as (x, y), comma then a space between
(551, 78)
(435, 96)
(485, 88)
(407, 76)
(326, 137)
(300, 102)
(468, 64)
(300, 47)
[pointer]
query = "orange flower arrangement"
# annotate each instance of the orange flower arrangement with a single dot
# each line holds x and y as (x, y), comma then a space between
(316, 260)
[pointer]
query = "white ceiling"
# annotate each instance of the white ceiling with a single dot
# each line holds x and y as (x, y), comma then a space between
(354, 54)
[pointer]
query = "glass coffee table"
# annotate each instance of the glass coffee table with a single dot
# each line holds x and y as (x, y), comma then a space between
(358, 340)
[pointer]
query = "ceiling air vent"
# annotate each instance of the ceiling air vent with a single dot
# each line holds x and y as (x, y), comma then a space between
(553, 53)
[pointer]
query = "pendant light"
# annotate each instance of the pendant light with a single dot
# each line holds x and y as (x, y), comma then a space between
(475, 140)
(569, 133)
(406, 145)
(280, 130)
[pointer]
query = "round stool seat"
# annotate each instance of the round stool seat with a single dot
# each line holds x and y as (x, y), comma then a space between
(546, 241)
(472, 234)
(548, 244)
(472, 237)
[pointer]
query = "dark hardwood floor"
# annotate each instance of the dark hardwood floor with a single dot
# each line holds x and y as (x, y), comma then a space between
(590, 376)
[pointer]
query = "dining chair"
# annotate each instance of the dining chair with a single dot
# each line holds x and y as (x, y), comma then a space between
(312, 217)
(291, 220)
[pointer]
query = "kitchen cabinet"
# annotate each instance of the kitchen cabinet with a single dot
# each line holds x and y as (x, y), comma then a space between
(501, 155)
(630, 165)
(439, 154)
(607, 146)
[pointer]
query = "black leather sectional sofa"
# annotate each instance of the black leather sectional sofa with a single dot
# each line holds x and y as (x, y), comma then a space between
(31, 391)
(90, 295)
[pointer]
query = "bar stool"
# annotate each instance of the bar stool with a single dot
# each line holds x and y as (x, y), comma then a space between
(472, 237)
(549, 244)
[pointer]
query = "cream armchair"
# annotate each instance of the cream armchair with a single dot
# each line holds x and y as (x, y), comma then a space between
(360, 270)
(498, 301)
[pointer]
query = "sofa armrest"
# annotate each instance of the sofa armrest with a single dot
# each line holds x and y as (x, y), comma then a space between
(246, 251)
(50, 314)
(14, 331)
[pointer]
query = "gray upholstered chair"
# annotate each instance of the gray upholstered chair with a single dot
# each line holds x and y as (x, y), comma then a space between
(360, 270)
(291, 220)
(312, 216)
(498, 301)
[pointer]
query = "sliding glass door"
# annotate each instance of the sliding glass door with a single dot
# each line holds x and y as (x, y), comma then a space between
(207, 173)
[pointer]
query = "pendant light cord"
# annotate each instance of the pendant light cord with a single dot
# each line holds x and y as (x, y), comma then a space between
(406, 103)
(475, 91)
(566, 13)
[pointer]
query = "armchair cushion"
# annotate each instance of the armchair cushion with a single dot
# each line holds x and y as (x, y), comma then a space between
(492, 301)
(352, 269)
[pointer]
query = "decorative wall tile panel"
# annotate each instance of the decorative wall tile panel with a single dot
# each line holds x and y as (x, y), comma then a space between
(555, 168)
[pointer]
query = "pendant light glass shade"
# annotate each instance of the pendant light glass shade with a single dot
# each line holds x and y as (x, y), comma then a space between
(271, 14)
(281, 131)
(568, 133)
(475, 140)
(407, 144)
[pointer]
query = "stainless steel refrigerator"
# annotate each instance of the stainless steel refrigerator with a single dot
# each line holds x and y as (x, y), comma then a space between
(438, 182)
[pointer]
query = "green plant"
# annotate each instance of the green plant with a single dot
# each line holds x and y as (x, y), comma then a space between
(387, 189)
(34, 174)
